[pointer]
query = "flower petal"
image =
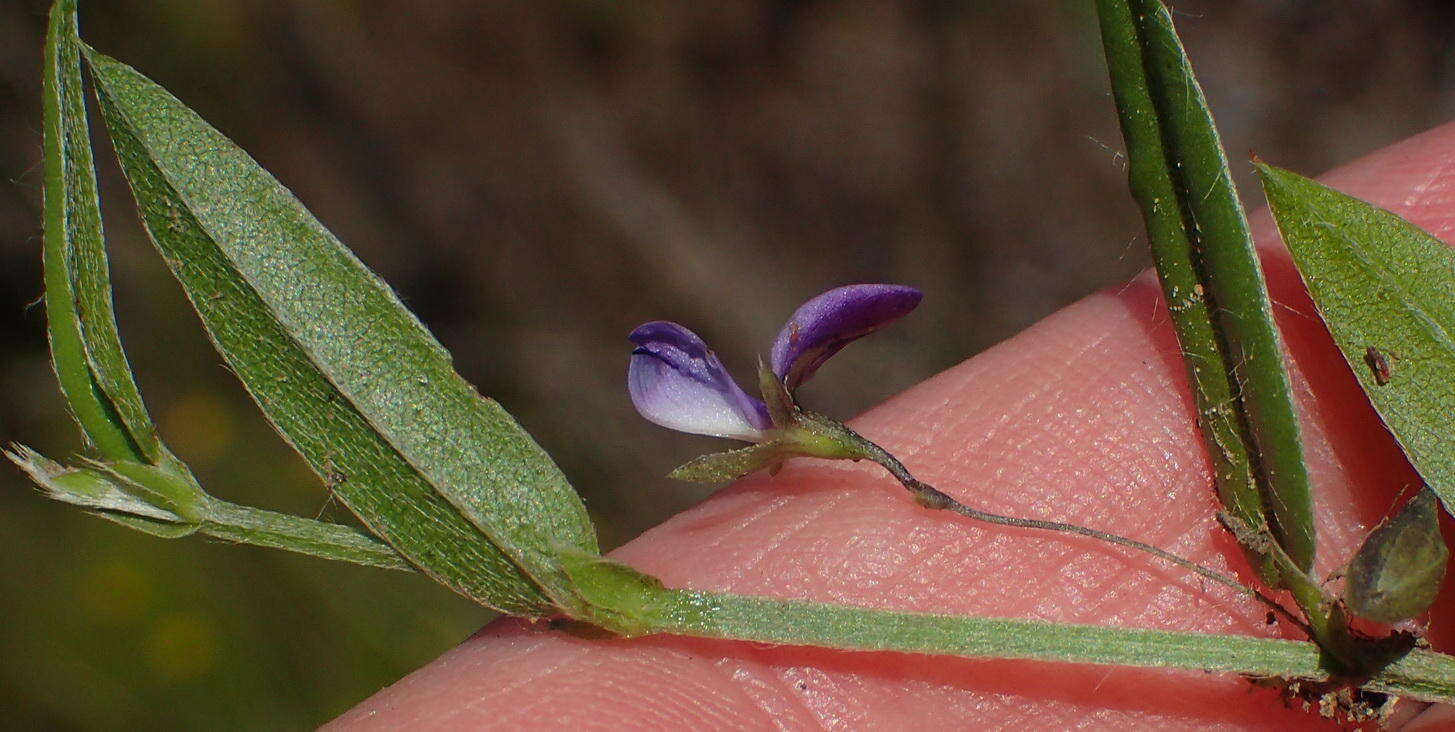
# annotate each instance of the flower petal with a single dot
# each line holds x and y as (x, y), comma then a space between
(831, 321)
(676, 381)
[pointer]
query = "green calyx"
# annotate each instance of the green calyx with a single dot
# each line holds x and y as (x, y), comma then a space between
(795, 433)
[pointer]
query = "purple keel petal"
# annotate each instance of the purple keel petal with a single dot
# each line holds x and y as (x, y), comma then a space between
(831, 321)
(676, 381)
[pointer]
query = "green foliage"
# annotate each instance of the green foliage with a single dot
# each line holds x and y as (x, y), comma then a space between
(341, 369)
(720, 467)
(86, 351)
(1386, 289)
(1210, 277)
(85, 345)
(138, 482)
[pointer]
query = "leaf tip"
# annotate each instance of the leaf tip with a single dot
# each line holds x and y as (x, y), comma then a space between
(63, 6)
(35, 465)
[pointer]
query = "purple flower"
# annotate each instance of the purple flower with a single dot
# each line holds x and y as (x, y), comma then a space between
(827, 323)
(676, 381)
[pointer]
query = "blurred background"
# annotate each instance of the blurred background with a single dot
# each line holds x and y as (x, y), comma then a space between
(538, 178)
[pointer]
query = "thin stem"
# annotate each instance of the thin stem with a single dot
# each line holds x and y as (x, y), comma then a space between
(323, 539)
(930, 497)
(634, 604)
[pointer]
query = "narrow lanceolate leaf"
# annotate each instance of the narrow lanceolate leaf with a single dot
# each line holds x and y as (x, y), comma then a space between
(1210, 275)
(636, 604)
(100, 493)
(347, 375)
(85, 347)
(1386, 289)
(721, 467)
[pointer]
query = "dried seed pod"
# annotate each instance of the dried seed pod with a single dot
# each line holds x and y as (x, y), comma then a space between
(1397, 572)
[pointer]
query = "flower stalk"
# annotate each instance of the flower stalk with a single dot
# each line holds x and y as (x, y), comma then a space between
(930, 497)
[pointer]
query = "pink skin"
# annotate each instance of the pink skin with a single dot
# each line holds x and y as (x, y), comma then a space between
(1085, 417)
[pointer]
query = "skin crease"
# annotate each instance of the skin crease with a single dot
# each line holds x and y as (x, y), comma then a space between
(1084, 417)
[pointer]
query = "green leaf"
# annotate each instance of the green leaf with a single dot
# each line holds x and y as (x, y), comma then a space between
(140, 485)
(1210, 275)
(86, 351)
(85, 346)
(1386, 289)
(345, 373)
(1397, 573)
(720, 467)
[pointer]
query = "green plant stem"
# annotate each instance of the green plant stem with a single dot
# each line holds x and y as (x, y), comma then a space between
(631, 603)
(1419, 675)
(248, 525)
